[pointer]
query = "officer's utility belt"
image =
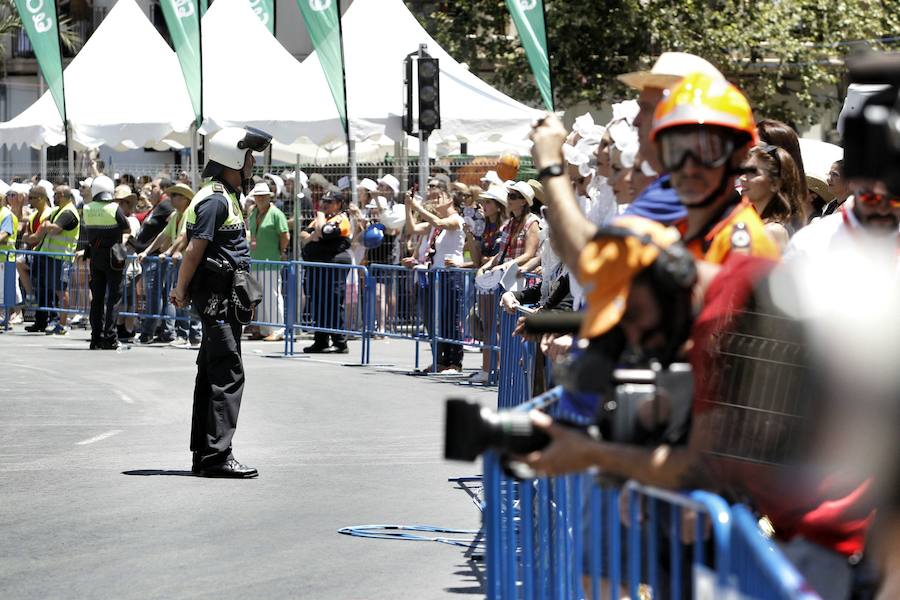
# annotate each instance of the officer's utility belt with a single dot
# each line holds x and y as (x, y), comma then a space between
(237, 287)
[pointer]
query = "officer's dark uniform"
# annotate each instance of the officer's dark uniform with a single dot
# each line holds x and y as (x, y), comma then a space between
(215, 215)
(105, 223)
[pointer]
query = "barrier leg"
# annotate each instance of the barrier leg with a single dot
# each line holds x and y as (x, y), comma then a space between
(526, 510)
(491, 516)
(614, 574)
(634, 543)
(435, 317)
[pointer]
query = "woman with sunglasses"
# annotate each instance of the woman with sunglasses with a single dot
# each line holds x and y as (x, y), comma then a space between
(519, 236)
(771, 182)
(441, 225)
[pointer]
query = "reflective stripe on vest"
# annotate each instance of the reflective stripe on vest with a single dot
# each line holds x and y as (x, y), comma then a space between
(9, 245)
(100, 215)
(235, 219)
(65, 241)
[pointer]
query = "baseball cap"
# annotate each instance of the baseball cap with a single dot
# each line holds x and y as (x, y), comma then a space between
(668, 70)
(492, 178)
(497, 193)
(608, 264)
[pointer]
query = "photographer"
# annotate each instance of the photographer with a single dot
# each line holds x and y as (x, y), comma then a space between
(216, 261)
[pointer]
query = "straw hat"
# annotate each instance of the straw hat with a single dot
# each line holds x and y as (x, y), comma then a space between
(180, 189)
(668, 70)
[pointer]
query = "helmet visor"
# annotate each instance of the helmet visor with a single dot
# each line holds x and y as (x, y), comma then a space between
(709, 147)
(255, 140)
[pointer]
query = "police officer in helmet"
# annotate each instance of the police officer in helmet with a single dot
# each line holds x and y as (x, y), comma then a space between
(105, 225)
(217, 249)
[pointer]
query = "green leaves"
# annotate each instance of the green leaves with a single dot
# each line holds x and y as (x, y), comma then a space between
(785, 54)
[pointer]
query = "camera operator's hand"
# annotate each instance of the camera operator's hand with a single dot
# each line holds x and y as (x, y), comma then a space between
(556, 347)
(568, 451)
(548, 136)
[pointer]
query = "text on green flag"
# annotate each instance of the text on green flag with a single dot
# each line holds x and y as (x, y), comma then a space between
(322, 19)
(40, 21)
(183, 20)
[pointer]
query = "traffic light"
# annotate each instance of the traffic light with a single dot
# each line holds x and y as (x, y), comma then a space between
(423, 96)
(429, 95)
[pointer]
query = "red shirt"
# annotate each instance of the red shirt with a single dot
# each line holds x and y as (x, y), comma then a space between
(831, 511)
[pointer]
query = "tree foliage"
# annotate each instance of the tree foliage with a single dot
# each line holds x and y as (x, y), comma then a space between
(782, 53)
(11, 23)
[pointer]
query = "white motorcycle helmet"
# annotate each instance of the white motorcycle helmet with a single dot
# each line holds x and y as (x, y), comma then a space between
(228, 148)
(102, 188)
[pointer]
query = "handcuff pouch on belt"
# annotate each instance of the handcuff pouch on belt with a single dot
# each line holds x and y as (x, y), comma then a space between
(228, 287)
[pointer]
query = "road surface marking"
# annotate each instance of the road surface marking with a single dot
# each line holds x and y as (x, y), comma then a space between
(97, 438)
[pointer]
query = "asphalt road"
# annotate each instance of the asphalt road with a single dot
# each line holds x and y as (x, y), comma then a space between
(96, 498)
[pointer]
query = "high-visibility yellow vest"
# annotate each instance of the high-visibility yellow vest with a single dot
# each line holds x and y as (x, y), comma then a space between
(65, 241)
(235, 218)
(9, 246)
(100, 215)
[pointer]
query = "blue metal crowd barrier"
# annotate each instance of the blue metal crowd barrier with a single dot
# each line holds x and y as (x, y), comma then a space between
(333, 300)
(516, 364)
(433, 306)
(759, 570)
(581, 536)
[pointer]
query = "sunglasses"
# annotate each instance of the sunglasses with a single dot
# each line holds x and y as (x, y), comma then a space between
(709, 148)
(870, 198)
(772, 152)
(514, 196)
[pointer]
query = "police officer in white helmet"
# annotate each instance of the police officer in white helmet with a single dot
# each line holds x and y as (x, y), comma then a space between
(105, 224)
(214, 277)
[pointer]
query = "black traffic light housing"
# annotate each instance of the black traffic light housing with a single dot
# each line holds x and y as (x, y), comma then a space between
(422, 111)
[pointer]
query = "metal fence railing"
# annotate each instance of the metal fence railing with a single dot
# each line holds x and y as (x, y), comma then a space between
(586, 536)
(437, 307)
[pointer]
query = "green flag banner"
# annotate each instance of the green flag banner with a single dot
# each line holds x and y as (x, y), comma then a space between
(322, 19)
(265, 10)
(528, 15)
(42, 25)
(183, 20)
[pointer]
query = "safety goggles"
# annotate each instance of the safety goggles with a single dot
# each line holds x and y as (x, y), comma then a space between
(708, 147)
(870, 198)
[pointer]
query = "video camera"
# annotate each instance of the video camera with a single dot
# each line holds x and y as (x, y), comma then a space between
(871, 136)
(646, 405)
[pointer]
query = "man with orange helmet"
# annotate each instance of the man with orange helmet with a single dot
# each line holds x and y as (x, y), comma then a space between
(703, 130)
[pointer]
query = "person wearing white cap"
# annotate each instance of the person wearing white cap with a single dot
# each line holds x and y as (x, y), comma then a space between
(269, 237)
(491, 178)
(519, 236)
(388, 185)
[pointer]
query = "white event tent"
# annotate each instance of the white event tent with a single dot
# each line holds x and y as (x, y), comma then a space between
(103, 112)
(302, 109)
(299, 111)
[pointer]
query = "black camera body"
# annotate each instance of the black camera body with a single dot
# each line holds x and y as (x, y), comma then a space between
(871, 136)
(647, 407)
